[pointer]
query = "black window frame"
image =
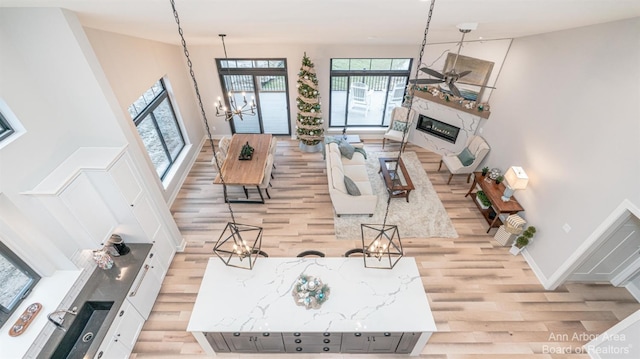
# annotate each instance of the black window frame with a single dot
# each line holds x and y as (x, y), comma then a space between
(348, 74)
(6, 312)
(148, 111)
(5, 128)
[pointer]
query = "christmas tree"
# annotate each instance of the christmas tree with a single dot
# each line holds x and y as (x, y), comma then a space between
(309, 121)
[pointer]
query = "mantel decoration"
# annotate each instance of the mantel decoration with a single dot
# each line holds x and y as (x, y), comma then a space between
(309, 123)
(453, 99)
(238, 244)
(310, 292)
(246, 152)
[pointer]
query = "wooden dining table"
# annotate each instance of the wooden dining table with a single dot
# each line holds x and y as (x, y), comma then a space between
(237, 172)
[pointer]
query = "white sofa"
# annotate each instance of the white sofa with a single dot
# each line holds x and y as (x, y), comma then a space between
(355, 168)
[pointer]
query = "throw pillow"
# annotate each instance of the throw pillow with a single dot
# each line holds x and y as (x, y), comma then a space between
(399, 126)
(352, 188)
(465, 157)
(346, 149)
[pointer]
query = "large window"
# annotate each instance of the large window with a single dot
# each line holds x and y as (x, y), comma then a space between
(158, 127)
(16, 281)
(5, 128)
(364, 91)
(264, 80)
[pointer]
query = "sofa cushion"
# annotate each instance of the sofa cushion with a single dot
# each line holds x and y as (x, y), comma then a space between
(351, 186)
(333, 147)
(335, 159)
(337, 179)
(346, 149)
(357, 173)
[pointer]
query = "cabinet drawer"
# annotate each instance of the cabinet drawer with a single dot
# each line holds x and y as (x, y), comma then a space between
(317, 348)
(312, 338)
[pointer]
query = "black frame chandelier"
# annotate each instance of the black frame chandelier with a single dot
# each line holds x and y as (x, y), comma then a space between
(381, 243)
(238, 244)
(234, 108)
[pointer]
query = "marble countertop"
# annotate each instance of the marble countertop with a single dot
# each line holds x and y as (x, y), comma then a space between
(361, 300)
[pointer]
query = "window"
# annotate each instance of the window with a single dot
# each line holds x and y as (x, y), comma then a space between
(16, 281)
(264, 81)
(158, 127)
(364, 91)
(5, 128)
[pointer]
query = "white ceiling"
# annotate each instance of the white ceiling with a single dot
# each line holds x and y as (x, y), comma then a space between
(336, 21)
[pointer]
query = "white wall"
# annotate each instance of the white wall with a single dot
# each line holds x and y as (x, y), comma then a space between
(567, 111)
(48, 81)
(132, 65)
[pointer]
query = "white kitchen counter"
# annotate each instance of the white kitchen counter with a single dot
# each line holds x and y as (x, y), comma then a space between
(361, 300)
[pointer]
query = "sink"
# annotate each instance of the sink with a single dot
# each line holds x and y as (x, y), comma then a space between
(85, 327)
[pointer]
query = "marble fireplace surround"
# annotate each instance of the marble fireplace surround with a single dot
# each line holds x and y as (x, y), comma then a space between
(467, 122)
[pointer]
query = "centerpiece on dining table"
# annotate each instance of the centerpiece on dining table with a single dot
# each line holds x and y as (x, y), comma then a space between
(246, 152)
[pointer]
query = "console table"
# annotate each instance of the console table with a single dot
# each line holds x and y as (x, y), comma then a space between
(494, 193)
(368, 310)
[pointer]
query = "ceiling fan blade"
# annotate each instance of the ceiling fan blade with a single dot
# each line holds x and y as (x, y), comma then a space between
(464, 73)
(454, 89)
(431, 72)
(426, 81)
(467, 83)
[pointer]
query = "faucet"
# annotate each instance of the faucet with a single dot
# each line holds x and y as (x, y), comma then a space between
(60, 319)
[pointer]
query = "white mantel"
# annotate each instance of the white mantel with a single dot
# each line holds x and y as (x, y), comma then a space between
(361, 300)
(467, 122)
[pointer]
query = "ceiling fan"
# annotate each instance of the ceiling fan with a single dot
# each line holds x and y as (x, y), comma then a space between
(451, 77)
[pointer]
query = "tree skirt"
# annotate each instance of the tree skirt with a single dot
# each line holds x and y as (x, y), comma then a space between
(424, 216)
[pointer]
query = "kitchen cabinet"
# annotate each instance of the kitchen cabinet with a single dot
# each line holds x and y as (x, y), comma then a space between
(147, 285)
(312, 342)
(122, 334)
(253, 301)
(217, 342)
(254, 342)
(407, 342)
(370, 342)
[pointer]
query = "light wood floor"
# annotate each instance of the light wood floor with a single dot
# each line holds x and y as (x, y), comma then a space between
(486, 302)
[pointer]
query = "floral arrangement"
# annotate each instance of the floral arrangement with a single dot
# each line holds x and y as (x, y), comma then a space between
(310, 292)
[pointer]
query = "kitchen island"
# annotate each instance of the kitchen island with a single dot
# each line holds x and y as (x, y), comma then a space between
(368, 310)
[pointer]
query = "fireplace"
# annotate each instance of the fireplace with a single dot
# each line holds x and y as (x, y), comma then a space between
(437, 128)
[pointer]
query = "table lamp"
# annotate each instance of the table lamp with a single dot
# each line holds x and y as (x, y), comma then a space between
(515, 178)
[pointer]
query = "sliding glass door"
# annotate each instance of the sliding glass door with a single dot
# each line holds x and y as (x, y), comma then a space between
(264, 81)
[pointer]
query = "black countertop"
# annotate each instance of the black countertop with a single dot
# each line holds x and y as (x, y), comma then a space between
(111, 285)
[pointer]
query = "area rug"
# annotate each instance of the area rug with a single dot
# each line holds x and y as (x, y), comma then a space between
(424, 216)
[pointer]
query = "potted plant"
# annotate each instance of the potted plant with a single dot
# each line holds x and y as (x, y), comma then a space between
(482, 200)
(523, 240)
(485, 170)
(499, 179)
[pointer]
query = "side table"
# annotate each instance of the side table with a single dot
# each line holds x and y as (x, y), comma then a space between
(494, 193)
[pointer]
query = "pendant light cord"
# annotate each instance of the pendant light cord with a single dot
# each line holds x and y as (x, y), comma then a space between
(204, 115)
(410, 102)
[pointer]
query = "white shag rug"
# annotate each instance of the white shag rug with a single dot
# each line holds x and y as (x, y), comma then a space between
(424, 216)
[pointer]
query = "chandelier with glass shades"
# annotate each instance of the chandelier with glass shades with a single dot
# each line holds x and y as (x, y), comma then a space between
(234, 108)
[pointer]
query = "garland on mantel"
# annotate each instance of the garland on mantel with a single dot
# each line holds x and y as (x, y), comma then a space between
(468, 104)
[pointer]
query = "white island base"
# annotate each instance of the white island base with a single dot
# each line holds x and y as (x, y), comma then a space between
(368, 310)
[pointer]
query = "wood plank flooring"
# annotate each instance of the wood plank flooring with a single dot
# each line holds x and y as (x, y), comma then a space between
(486, 302)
